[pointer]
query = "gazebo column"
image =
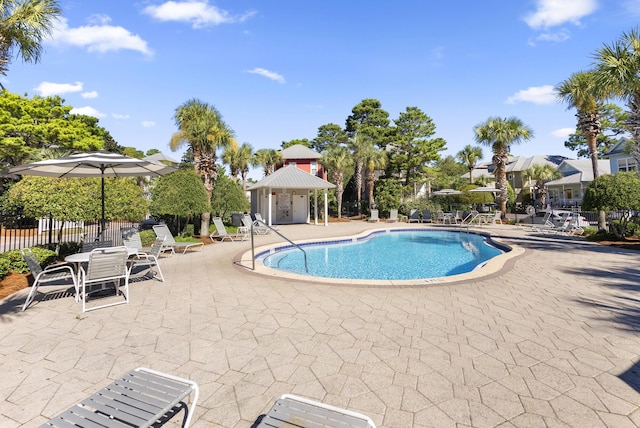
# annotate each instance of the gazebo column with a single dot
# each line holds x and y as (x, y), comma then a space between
(270, 199)
(315, 206)
(326, 207)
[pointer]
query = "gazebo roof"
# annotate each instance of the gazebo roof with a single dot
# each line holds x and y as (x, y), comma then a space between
(291, 177)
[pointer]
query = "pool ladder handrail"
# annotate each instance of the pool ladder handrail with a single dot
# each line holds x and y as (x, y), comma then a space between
(253, 248)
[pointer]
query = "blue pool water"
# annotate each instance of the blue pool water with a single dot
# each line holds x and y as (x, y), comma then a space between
(390, 255)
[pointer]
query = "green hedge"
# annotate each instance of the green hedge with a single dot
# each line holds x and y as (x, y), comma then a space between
(16, 262)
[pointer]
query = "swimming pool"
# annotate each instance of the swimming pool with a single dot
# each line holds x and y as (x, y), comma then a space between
(402, 254)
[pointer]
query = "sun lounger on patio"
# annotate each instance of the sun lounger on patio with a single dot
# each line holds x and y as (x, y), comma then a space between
(374, 217)
(221, 232)
(293, 411)
(414, 215)
(140, 398)
(52, 273)
(393, 216)
(162, 230)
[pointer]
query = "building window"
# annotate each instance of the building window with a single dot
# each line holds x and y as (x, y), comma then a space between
(627, 164)
(314, 168)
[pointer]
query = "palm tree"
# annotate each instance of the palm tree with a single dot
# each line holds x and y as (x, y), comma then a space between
(500, 134)
(229, 156)
(541, 173)
(374, 160)
(581, 92)
(618, 68)
(243, 159)
(470, 156)
(267, 159)
(24, 24)
(338, 161)
(360, 145)
(201, 128)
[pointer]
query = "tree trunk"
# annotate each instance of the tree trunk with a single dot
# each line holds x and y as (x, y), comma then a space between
(358, 179)
(500, 161)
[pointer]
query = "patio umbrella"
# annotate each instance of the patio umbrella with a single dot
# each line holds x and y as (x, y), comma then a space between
(485, 190)
(447, 192)
(94, 164)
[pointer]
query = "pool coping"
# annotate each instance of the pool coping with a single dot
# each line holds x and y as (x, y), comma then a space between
(491, 267)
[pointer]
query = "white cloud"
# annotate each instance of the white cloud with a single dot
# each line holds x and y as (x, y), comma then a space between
(563, 132)
(199, 13)
(120, 116)
(87, 111)
(535, 94)
(89, 95)
(558, 36)
(98, 38)
(268, 74)
(550, 13)
(148, 124)
(48, 88)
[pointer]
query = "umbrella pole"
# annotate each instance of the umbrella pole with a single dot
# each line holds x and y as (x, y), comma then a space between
(102, 222)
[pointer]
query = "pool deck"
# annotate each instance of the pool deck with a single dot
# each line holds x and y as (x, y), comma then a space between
(548, 339)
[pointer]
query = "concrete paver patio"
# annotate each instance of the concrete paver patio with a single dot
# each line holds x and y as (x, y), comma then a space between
(551, 340)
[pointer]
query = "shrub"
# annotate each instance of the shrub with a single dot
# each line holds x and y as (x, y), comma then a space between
(147, 237)
(17, 264)
(5, 267)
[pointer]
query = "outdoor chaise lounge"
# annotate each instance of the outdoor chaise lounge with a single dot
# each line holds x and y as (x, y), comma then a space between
(52, 273)
(249, 224)
(221, 232)
(150, 259)
(414, 216)
(291, 411)
(140, 398)
(170, 242)
(393, 216)
(131, 239)
(374, 217)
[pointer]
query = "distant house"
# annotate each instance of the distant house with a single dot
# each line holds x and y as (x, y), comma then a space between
(303, 158)
(620, 158)
(481, 171)
(283, 197)
(568, 191)
(518, 165)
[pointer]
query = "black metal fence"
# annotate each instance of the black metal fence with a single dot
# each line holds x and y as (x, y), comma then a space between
(18, 231)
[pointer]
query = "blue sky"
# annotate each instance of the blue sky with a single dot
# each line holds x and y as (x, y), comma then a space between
(279, 69)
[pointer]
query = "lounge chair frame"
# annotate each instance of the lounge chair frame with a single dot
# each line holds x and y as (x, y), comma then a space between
(170, 243)
(52, 273)
(294, 411)
(140, 398)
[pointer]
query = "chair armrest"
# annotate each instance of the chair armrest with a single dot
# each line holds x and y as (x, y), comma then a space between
(58, 267)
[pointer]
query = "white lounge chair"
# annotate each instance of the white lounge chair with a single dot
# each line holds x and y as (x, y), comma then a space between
(393, 216)
(131, 239)
(293, 411)
(257, 227)
(151, 258)
(52, 273)
(140, 398)
(497, 217)
(106, 265)
(221, 232)
(261, 221)
(170, 242)
(374, 217)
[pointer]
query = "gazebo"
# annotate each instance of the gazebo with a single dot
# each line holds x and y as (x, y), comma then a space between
(283, 197)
